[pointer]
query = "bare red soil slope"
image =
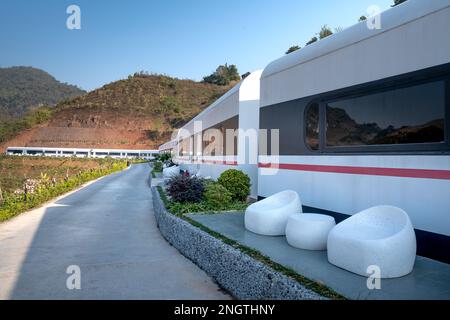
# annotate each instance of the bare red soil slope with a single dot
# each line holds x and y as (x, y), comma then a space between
(140, 112)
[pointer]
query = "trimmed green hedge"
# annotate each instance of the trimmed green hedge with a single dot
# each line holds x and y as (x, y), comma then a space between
(14, 204)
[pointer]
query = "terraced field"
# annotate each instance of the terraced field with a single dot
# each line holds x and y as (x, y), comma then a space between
(27, 182)
(14, 171)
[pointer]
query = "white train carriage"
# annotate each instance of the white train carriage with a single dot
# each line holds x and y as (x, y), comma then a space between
(224, 135)
(81, 152)
(168, 147)
(364, 120)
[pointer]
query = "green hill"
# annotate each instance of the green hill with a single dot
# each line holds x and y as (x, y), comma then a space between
(138, 112)
(23, 88)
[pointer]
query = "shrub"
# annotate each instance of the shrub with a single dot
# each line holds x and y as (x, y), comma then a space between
(165, 157)
(217, 196)
(185, 189)
(158, 166)
(236, 182)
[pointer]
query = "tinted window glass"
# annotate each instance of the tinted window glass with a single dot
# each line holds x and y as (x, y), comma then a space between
(312, 126)
(402, 116)
(185, 147)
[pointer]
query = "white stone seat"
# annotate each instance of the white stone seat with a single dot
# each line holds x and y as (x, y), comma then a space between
(309, 230)
(199, 174)
(269, 216)
(171, 171)
(381, 236)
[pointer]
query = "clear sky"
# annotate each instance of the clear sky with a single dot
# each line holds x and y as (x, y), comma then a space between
(181, 38)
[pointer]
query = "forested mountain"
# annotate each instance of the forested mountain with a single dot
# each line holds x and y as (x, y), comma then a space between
(136, 113)
(23, 88)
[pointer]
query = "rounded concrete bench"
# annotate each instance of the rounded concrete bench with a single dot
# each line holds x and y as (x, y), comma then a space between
(309, 231)
(269, 216)
(171, 171)
(381, 236)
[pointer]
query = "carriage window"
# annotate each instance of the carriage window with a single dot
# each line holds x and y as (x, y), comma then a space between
(184, 147)
(401, 116)
(312, 126)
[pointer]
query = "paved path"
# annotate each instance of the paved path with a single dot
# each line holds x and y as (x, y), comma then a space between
(109, 231)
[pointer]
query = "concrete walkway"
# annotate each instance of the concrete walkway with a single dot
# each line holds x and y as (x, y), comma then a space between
(108, 230)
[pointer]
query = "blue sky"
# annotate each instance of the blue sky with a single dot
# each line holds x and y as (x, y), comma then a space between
(186, 39)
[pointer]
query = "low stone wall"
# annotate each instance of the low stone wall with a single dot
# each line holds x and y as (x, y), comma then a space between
(236, 272)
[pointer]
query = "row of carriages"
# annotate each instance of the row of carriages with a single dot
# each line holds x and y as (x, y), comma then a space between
(81, 153)
(357, 125)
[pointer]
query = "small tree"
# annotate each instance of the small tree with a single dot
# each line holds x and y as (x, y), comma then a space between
(325, 32)
(397, 2)
(223, 75)
(245, 75)
(362, 18)
(313, 39)
(293, 49)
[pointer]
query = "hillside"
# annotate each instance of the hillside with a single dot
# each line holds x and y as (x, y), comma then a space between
(136, 113)
(22, 88)
(344, 130)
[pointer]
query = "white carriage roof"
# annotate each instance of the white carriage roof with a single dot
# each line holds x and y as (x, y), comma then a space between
(390, 19)
(224, 97)
(168, 145)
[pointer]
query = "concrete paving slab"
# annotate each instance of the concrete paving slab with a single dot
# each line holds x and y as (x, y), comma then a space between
(429, 280)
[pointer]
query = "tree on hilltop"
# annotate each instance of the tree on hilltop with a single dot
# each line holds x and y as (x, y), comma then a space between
(223, 75)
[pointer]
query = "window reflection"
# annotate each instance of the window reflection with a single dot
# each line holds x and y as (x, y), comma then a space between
(402, 116)
(312, 126)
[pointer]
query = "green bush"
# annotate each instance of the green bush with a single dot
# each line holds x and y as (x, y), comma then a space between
(236, 182)
(217, 195)
(180, 209)
(164, 157)
(158, 166)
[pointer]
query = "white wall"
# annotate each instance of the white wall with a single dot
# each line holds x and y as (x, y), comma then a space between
(427, 201)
